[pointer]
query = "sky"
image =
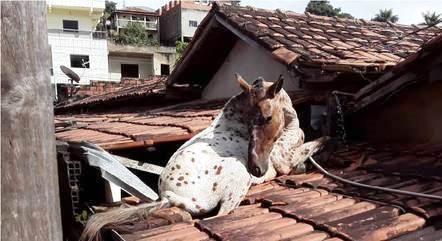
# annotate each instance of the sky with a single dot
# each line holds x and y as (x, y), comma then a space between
(409, 11)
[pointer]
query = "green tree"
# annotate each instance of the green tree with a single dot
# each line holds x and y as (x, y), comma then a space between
(431, 18)
(180, 48)
(134, 34)
(385, 15)
(324, 8)
(109, 9)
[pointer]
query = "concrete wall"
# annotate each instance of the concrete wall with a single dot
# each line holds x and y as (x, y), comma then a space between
(250, 62)
(191, 15)
(170, 23)
(163, 58)
(95, 5)
(145, 66)
(414, 116)
(63, 44)
(86, 22)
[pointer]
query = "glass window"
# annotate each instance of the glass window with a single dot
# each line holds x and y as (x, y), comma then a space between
(193, 23)
(165, 69)
(80, 61)
(70, 25)
(129, 70)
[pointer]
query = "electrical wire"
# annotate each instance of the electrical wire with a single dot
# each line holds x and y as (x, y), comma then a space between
(408, 193)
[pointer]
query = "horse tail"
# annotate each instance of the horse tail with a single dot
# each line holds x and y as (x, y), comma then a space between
(119, 216)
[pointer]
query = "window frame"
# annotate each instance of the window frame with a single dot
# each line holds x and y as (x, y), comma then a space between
(193, 25)
(165, 66)
(121, 70)
(87, 61)
(75, 30)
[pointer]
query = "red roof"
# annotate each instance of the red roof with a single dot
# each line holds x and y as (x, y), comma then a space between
(318, 40)
(314, 207)
(146, 128)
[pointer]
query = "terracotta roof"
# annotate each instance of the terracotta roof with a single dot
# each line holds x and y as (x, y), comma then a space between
(141, 10)
(135, 129)
(420, 62)
(298, 40)
(318, 40)
(155, 85)
(116, 131)
(314, 207)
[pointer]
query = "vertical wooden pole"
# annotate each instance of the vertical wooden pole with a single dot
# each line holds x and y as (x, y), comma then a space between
(30, 207)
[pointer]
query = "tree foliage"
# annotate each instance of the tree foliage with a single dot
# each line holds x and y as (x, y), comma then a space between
(180, 48)
(134, 34)
(109, 9)
(324, 8)
(431, 18)
(385, 15)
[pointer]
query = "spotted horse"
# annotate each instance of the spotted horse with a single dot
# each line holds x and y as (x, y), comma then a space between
(255, 138)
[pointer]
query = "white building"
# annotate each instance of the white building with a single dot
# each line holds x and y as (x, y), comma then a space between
(75, 44)
(73, 41)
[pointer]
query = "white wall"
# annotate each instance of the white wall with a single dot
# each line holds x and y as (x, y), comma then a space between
(145, 66)
(94, 4)
(194, 15)
(163, 58)
(250, 62)
(63, 44)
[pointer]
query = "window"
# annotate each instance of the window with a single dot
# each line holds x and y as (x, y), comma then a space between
(129, 70)
(138, 18)
(70, 26)
(165, 69)
(79, 61)
(193, 23)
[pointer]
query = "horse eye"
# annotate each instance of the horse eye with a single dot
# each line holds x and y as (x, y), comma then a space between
(268, 119)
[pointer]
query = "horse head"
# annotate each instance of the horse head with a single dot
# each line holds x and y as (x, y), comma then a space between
(266, 121)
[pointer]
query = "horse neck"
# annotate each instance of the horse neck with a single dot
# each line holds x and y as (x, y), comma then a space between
(233, 116)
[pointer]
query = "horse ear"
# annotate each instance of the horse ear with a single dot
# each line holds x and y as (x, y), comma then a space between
(275, 87)
(242, 83)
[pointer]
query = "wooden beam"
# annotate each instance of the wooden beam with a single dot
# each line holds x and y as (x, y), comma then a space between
(29, 179)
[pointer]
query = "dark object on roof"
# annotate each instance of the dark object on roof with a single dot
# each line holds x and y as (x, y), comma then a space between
(330, 44)
(70, 73)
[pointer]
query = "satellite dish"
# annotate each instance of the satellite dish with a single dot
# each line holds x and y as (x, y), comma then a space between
(70, 73)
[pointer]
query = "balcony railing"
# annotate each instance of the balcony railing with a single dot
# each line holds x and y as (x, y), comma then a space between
(78, 33)
(149, 25)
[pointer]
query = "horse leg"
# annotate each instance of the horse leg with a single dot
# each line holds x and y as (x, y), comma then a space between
(300, 154)
(233, 195)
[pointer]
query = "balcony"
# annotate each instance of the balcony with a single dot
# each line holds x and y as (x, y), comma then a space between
(148, 25)
(77, 33)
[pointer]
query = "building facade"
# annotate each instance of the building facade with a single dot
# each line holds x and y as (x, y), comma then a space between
(127, 61)
(74, 42)
(180, 19)
(147, 17)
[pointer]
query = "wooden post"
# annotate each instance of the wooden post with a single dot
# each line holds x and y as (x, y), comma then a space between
(30, 206)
